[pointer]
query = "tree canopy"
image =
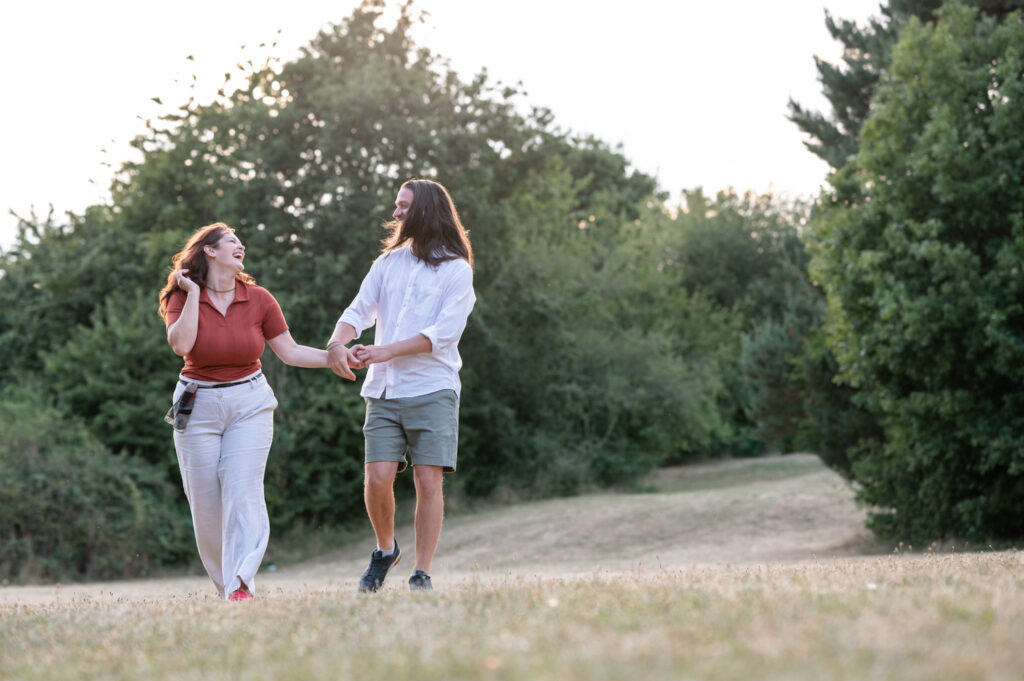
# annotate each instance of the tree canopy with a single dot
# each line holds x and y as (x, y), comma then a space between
(614, 331)
(601, 345)
(850, 85)
(919, 246)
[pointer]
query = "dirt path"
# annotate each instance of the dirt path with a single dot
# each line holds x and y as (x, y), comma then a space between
(773, 509)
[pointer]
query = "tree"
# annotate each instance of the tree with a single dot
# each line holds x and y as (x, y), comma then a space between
(579, 369)
(742, 252)
(849, 87)
(743, 255)
(123, 394)
(919, 248)
(792, 396)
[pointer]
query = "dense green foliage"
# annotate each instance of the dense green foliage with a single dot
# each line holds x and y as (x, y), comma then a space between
(744, 255)
(920, 246)
(849, 86)
(606, 337)
(612, 333)
(69, 507)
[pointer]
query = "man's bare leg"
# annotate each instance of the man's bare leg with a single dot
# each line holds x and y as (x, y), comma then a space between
(429, 513)
(379, 495)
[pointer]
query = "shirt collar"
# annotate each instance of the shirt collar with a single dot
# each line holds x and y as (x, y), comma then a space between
(241, 293)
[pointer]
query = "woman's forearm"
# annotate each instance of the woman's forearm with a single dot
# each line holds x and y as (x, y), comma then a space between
(305, 356)
(295, 355)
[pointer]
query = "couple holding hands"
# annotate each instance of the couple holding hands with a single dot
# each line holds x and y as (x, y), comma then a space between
(418, 292)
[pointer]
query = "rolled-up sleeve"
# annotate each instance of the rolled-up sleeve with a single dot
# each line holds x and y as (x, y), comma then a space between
(458, 302)
(361, 314)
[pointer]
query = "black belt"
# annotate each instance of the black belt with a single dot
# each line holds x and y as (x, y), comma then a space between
(223, 385)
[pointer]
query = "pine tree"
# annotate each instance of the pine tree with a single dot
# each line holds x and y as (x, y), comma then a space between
(849, 85)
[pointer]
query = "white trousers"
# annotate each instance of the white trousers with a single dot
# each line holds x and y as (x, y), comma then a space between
(223, 455)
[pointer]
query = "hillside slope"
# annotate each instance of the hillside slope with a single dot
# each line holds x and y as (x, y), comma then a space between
(750, 510)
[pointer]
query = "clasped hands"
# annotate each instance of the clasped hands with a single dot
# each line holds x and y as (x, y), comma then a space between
(343, 359)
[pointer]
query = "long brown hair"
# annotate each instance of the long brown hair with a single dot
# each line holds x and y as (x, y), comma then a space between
(193, 258)
(431, 224)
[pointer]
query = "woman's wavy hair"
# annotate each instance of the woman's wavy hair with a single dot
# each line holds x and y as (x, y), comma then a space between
(192, 258)
(432, 225)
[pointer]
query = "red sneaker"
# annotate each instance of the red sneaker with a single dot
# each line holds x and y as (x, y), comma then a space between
(240, 595)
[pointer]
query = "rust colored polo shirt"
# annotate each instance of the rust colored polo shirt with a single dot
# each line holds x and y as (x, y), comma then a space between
(228, 347)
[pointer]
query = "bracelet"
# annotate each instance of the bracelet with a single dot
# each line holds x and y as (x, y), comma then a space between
(331, 345)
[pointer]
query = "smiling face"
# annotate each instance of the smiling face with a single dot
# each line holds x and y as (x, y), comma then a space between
(228, 252)
(402, 204)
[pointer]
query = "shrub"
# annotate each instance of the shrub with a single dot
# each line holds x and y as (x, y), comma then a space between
(920, 248)
(71, 509)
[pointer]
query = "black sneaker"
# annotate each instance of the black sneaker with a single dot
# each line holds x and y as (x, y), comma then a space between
(420, 581)
(373, 578)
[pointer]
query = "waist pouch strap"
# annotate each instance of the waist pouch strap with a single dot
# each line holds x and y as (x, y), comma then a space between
(179, 412)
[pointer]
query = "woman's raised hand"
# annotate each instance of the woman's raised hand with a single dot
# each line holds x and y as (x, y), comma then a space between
(184, 282)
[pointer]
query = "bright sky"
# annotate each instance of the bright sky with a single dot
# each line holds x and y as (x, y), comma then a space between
(695, 92)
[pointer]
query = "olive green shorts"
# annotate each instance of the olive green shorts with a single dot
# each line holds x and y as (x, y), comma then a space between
(427, 426)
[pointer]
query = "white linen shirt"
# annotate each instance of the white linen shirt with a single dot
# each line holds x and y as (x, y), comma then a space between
(405, 297)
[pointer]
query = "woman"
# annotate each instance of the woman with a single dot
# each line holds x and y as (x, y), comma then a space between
(218, 319)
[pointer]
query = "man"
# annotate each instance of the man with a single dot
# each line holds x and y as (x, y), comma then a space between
(419, 292)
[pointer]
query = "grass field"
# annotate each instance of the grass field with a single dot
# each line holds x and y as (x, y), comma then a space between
(736, 570)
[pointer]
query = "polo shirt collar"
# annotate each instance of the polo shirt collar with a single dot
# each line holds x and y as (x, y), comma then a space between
(241, 293)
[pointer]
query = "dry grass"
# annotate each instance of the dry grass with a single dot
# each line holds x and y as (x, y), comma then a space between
(537, 606)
